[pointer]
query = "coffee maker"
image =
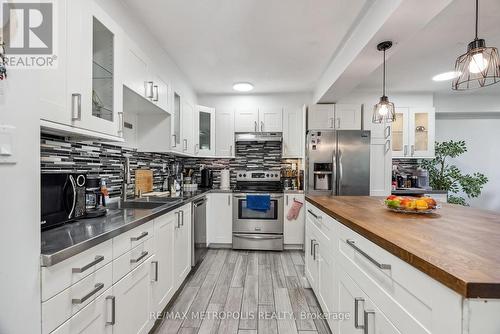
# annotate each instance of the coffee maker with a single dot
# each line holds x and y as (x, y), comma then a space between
(207, 178)
(95, 205)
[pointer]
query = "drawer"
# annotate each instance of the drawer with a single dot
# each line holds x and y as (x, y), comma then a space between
(130, 260)
(128, 240)
(322, 224)
(58, 277)
(62, 306)
(409, 298)
(96, 317)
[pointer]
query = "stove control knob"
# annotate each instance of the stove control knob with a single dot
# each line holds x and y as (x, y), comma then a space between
(239, 175)
(267, 175)
(276, 175)
(244, 175)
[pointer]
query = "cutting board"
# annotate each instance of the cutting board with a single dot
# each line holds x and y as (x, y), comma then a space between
(143, 181)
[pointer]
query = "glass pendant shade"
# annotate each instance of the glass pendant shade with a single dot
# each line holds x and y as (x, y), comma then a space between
(384, 112)
(479, 67)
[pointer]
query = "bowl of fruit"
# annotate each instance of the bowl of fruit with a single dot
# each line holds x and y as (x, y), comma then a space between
(407, 204)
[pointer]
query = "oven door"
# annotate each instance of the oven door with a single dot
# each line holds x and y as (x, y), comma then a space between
(246, 220)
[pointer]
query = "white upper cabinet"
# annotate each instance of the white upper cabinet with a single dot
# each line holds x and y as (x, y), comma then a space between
(204, 131)
(293, 132)
(321, 117)
(175, 122)
(246, 120)
(187, 121)
(413, 133)
(270, 119)
(348, 116)
(135, 69)
(224, 133)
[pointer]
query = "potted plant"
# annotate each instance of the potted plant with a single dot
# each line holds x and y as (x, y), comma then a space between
(445, 176)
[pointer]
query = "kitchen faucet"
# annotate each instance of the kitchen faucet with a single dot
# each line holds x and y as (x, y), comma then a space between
(126, 178)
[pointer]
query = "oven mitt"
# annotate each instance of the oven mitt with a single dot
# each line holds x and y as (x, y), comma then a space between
(294, 211)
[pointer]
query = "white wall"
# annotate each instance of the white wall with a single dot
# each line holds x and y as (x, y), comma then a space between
(232, 102)
(475, 119)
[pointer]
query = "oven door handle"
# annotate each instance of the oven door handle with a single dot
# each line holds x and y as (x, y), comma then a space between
(257, 237)
(245, 196)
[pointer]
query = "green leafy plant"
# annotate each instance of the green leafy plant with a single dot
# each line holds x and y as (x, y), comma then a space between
(444, 176)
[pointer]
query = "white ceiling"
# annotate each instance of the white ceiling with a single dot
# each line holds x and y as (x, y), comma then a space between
(278, 45)
(435, 48)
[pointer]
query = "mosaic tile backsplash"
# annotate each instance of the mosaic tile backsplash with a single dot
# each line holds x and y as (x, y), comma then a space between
(59, 154)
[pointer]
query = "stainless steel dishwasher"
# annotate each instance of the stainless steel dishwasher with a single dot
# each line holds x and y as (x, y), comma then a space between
(199, 231)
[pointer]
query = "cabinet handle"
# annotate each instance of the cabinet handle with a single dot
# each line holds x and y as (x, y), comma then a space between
(76, 105)
(97, 287)
(352, 243)
(175, 140)
(113, 310)
(178, 213)
(412, 150)
(255, 126)
(405, 150)
(228, 200)
(387, 131)
(120, 123)
(286, 199)
(185, 144)
(338, 123)
(149, 89)
(142, 256)
(387, 145)
(97, 259)
(155, 93)
(356, 311)
(143, 234)
(197, 148)
(314, 215)
(231, 150)
(331, 120)
(314, 248)
(156, 270)
(261, 126)
(312, 243)
(366, 318)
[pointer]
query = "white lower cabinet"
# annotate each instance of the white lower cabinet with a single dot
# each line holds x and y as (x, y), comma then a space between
(182, 244)
(220, 218)
(311, 264)
(132, 304)
(293, 230)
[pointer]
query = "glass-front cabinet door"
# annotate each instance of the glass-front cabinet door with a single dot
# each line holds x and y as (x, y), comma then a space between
(400, 133)
(421, 129)
(205, 131)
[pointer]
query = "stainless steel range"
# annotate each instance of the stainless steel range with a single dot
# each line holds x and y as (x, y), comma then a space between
(257, 228)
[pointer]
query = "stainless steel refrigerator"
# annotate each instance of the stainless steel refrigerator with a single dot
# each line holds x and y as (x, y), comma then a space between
(338, 162)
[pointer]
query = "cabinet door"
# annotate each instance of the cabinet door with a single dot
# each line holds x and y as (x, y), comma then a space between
(270, 119)
(182, 245)
(160, 93)
(380, 167)
(246, 120)
(95, 318)
(224, 134)
(293, 233)
(421, 132)
(205, 131)
(54, 103)
(350, 300)
(311, 265)
(133, 301)
(163, 264)
(348, 116)
(400, 138)
(293, 132)
(327, 269)
(175, 122)
(187, 120)
(220, 218)
(321, 117)
(135, 70)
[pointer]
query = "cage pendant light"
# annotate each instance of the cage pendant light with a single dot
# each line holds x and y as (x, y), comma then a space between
(479, 66)
(383, 112)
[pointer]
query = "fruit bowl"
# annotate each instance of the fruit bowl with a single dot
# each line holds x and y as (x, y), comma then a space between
(419, 205)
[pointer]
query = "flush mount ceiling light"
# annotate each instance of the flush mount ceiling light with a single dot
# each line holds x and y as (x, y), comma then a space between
(479, 66)
(243, 86)
(446, 76)
(384, 110)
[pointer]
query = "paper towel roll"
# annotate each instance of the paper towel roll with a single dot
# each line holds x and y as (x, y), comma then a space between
(224, 179)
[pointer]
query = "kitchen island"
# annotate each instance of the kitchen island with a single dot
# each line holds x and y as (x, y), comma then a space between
(440, 269)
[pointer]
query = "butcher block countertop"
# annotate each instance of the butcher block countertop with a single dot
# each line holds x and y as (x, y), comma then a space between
(457, 246)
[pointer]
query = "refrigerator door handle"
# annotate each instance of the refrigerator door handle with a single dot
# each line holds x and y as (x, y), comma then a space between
(334, 175)
(339, 182)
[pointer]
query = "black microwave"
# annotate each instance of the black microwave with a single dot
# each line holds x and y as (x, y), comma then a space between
(62, 198)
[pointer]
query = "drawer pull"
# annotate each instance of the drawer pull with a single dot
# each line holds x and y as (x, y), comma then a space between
(156, 270)
(314, 215)
(142, 256)
(314, 249)
(368, 257)
(97, 259)
(143, 234)
(97, 287)
(366, 316)
(356, 311)
(113, 310)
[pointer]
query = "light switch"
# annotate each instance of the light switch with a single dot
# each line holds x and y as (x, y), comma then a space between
(7, 134)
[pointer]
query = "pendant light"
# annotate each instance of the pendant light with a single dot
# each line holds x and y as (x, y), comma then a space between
(384, 110)
(479, 66)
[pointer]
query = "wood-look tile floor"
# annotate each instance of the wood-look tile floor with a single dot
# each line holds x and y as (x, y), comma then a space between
(245, 292)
